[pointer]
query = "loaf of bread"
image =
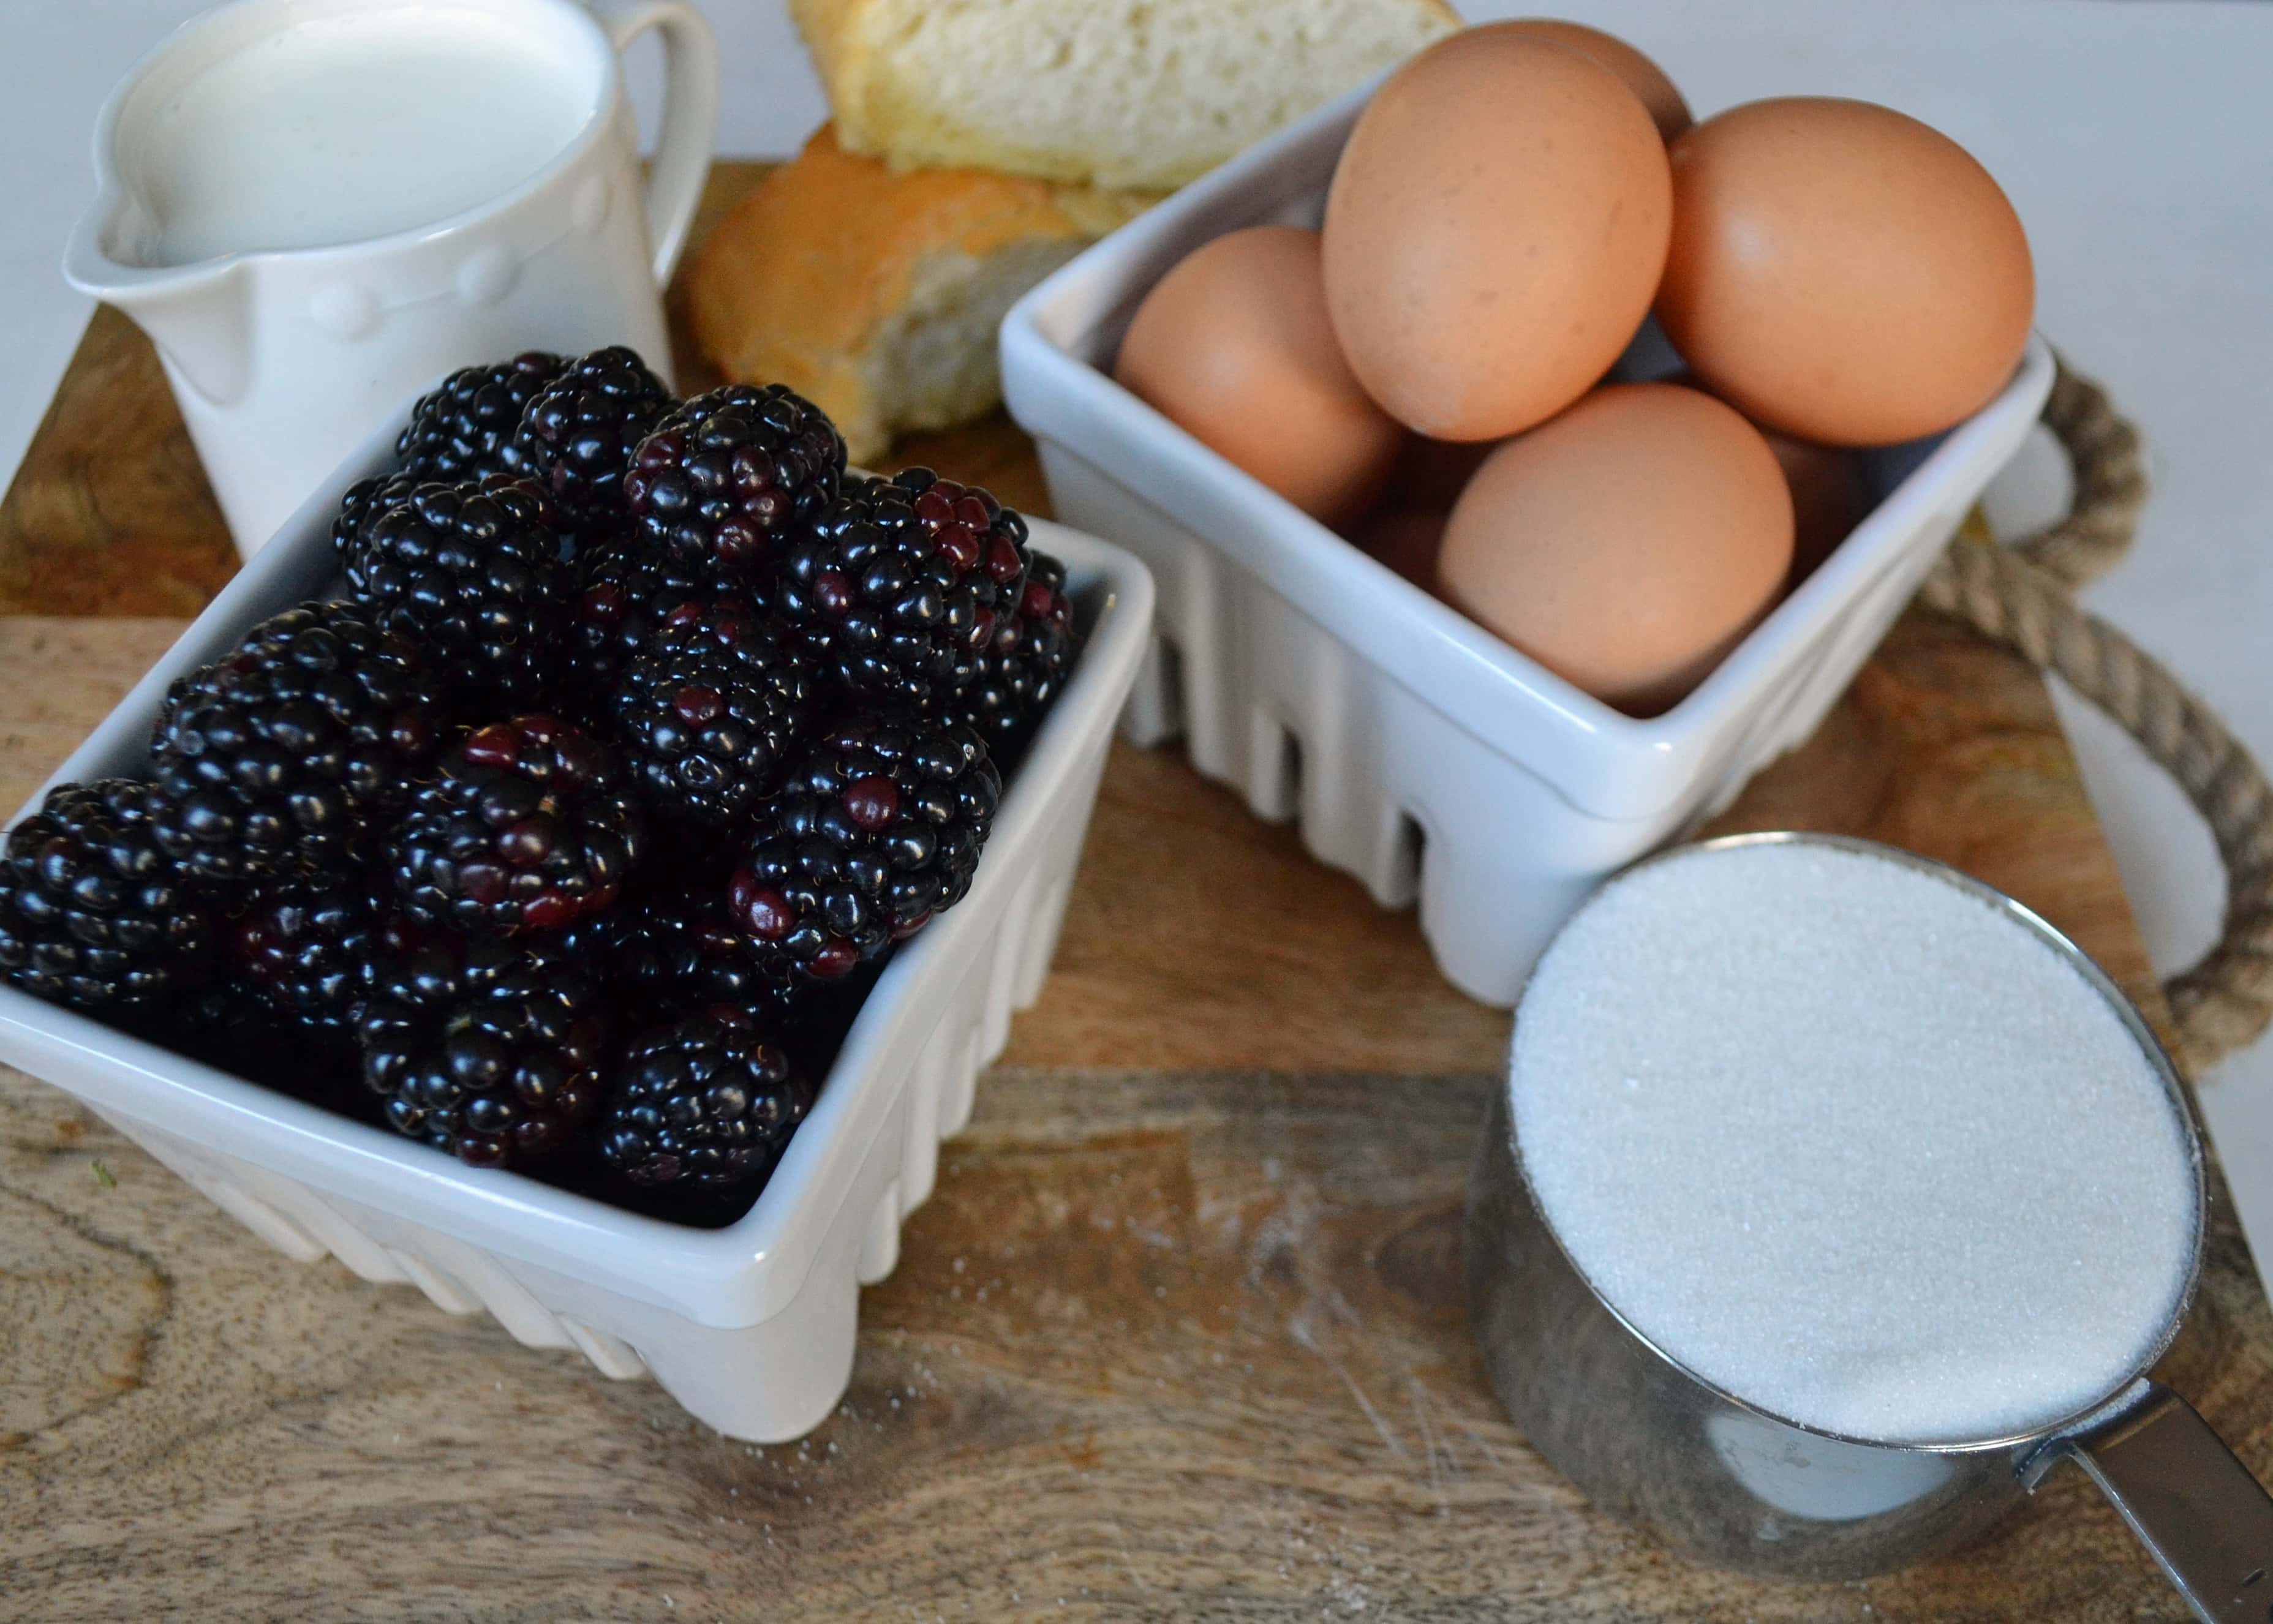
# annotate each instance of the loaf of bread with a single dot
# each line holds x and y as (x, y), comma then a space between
(876, 294)
(1112, 93)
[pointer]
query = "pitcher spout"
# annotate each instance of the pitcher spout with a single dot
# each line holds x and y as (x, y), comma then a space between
(199, 316)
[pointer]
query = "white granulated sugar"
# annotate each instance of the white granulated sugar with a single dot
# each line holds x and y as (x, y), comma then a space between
(1852, 1144)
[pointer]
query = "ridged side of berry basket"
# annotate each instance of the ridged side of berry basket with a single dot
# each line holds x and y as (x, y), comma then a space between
(751, 1326)
(1420, 753)
(1383, 784)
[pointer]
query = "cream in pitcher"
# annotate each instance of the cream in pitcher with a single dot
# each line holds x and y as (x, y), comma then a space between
(316, 208)
(353, 126)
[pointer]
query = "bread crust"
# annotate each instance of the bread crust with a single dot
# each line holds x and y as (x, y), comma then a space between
(803, 276)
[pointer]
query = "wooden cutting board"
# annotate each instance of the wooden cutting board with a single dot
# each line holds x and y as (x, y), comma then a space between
(1180, 1335)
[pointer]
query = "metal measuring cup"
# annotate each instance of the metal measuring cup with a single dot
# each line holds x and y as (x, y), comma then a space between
(1740, 1487)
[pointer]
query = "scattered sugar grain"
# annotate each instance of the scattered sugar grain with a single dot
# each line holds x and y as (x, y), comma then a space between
(1852, 1144)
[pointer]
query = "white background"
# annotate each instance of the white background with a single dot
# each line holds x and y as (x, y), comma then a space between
(2136, 139)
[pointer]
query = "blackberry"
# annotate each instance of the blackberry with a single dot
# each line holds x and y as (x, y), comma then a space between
(474, 572)
(623, 592)
(875, 829)
(365, 501)
(677, 948)
(499, 1070)
(728, 476)
(901, 583)
(706, 1103)
(529, 826)
(465, 428)
(577, 434)
(417, 964)
(282, 756)
(93, 914)
(305, 948)
(1004, 698)
(708, 715)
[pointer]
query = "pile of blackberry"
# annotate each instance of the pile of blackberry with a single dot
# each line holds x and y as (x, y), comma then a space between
(578, 826)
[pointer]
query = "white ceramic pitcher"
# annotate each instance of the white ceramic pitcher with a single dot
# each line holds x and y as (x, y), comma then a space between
(285, 359)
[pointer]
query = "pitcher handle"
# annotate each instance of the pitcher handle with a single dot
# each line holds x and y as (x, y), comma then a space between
(690, 114)
(2197, 1509)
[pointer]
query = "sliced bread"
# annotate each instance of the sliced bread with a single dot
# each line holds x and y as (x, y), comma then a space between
(1114, 92)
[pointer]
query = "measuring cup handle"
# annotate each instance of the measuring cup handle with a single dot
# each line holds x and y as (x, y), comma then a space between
(2195, 1508)
(690, 114)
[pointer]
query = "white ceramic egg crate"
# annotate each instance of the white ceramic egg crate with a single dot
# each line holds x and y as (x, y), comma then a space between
(750, 1327)
(1420, 753)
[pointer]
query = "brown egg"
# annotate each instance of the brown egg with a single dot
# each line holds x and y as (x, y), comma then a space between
(1841, 271)
(1233, 345)
(1408, 539)
(1628, 545)
(1495, 232)
(1642, 76)
(1829, 497)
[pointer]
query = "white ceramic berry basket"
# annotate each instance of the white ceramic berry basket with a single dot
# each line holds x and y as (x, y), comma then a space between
(751, 1326)
(1422, 754)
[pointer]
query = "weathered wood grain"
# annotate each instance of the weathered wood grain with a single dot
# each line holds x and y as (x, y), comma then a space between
(1179, 1336)
(110, 512)
(58, 678)
(1161, 1347)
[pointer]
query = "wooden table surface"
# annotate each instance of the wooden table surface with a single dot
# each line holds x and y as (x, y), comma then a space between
(1180, 1335)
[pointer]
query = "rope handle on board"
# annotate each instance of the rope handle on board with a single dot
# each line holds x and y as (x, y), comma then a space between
(2022, 595)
